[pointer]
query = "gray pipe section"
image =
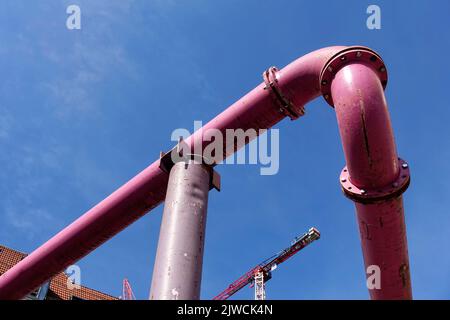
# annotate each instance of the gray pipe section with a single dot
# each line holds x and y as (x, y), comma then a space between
(178, 266)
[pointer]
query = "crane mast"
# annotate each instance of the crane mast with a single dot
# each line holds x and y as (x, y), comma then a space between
(127, 292)
(260, 290)
(262, 273)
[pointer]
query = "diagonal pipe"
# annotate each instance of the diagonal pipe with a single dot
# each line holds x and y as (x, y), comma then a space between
(349, 78)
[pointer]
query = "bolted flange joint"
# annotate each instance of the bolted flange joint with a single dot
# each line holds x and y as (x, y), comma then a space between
(283, 103)
(363, 195)
(345, 57)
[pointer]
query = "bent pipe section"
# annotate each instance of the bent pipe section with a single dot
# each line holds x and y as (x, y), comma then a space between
(374, 176)
(283, 93)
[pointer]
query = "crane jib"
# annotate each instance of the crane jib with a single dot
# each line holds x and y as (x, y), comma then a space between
(268, 265)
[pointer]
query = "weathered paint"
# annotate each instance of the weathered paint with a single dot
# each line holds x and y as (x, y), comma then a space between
(177, 273)
(373, 166)
(370, 155)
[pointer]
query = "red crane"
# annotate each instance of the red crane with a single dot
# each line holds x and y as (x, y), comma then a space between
(127, 293)
(263, 271)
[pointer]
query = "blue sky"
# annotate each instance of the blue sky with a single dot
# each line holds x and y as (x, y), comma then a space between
(83, 111)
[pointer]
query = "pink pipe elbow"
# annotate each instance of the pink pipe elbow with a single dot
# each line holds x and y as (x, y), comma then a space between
(364, 125)
(374, 176)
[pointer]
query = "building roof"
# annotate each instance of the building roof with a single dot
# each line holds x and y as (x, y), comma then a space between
(58, 289)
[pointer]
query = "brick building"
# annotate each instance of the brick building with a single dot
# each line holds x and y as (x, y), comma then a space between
(56, 288)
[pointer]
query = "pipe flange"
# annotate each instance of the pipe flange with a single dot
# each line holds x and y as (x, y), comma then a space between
(348, 56)
(283, 103)
(362, 195)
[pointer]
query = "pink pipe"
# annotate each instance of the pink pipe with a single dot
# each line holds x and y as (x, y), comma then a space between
(383, 240)
(295, 85)
(364, 125)
(373, 167)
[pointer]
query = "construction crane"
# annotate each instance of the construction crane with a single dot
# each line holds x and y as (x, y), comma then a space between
(127, 293)
(262, 273)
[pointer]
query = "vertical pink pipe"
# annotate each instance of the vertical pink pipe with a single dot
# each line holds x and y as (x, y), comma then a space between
(374, 171)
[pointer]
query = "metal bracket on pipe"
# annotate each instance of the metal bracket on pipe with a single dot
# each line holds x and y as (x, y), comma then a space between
(345, 57)
(285, 105)
(168, 159)
(393, 190)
